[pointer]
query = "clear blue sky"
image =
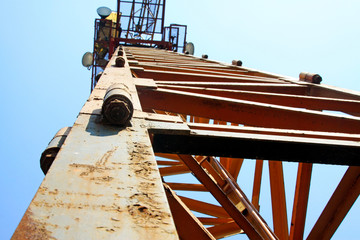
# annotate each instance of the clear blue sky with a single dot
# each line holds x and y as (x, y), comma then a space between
(44, 84)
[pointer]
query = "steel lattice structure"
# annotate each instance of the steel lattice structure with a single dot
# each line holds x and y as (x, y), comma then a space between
(155, 114)
(199, 116)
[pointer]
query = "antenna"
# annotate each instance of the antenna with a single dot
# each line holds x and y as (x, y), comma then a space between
(189, 48)
(103, 12)
(87, 60)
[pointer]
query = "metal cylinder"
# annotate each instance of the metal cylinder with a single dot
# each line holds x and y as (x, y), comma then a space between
(117, 106)
(120, 62)
(205, 56)
(49, 154)
(237, 63)
(310, 77)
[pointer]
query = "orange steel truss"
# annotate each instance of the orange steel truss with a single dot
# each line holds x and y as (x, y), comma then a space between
(198, 116)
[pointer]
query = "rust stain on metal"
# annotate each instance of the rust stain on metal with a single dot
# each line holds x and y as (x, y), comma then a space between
(140, 166)
(105, 158)
(147, 214)
(100, 166)
(30, 228)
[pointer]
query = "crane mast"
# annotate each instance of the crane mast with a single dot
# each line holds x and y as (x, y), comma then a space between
(157, 149)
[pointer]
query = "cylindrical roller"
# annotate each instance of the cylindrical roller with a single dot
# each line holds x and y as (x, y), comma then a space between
(120, 62)
(237, 63)
(310, 77)
(48, 156)
(117, 107)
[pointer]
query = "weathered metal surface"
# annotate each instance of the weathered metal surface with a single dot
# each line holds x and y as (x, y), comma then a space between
(104, 184)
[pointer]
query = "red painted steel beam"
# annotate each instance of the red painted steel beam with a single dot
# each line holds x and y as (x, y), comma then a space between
(278, 200)
(206, 208)
(225, 230)
(246, 112)
(182, 76)
(276, 132)
(338, 206)
(187, 225)
(214, 221)
(257, 184)
(259, 232)
(308, 102)
(186, 70)
(300, 201)
(255, 87)
(333, 92)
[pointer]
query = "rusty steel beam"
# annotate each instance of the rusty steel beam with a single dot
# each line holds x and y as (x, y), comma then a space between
(338, 206)
(104, 182)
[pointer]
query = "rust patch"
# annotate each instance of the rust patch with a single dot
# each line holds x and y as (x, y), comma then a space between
(99, 167)
(89, 168)
(146, 216)
(55, 192)
(146, 212)
(30, 228)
